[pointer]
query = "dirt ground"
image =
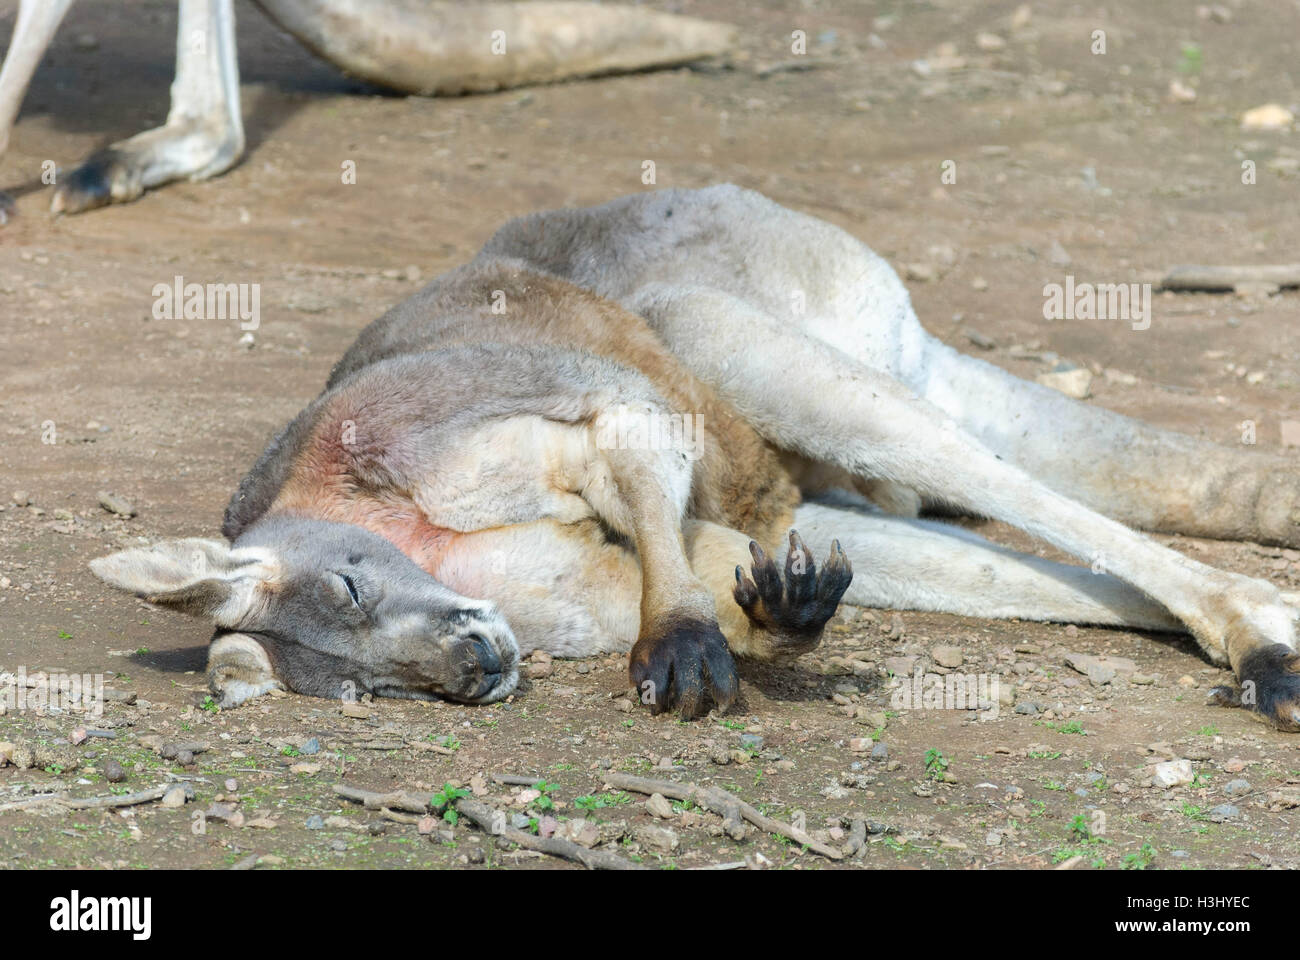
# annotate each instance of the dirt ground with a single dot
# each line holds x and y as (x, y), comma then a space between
(1066, 162)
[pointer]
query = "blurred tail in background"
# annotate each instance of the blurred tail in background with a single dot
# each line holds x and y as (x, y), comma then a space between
(436, 47)
(424, 47)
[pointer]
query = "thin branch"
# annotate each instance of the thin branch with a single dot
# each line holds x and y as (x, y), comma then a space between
(372, 800)
(106, 802)
(396, 817)
(489, 819)
(29, 802)
(731, 808)
(129, 799)
(514, 780)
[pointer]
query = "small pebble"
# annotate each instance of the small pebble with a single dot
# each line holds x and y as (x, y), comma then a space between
(658, 806)
(115, 504)
(175, 797)
(946, 656)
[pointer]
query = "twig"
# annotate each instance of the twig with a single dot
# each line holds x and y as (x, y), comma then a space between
(28, 802)
(373, 800)
(399, 817)
(490, 820)
(514, 780)
(710, 798)
(1194, 277)
(106, 802)
(720, 801)
(733, 865)
(128, 799)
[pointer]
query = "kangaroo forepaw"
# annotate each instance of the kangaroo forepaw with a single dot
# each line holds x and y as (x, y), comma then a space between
(793, 608)
(687, 666)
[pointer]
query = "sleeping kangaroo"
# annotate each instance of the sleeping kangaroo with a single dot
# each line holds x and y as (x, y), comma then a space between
(598, 434)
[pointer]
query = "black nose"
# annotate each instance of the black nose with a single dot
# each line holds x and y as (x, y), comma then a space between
(487, 657)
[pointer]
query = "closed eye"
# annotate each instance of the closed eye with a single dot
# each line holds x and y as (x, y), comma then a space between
(352, 589)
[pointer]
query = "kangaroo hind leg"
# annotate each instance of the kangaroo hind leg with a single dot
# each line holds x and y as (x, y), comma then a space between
(839, 411)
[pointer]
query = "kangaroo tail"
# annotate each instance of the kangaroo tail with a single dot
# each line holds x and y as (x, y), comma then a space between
(430, 47)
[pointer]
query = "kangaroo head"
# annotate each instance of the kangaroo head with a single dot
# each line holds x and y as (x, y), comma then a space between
(327, 609)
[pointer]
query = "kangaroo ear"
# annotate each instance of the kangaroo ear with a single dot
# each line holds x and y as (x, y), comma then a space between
(204, 578)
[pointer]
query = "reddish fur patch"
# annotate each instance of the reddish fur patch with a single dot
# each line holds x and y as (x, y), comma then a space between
(322, 485)
(739, 480)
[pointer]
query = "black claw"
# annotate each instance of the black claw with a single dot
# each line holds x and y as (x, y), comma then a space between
(836, 577)
(801, 584)
(766, 576)
(746, 593)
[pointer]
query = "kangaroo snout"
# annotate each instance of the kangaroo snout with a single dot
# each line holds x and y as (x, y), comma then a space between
(484, 657)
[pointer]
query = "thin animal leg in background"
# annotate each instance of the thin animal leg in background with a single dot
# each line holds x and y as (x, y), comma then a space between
(33, 30)
(204, 132)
